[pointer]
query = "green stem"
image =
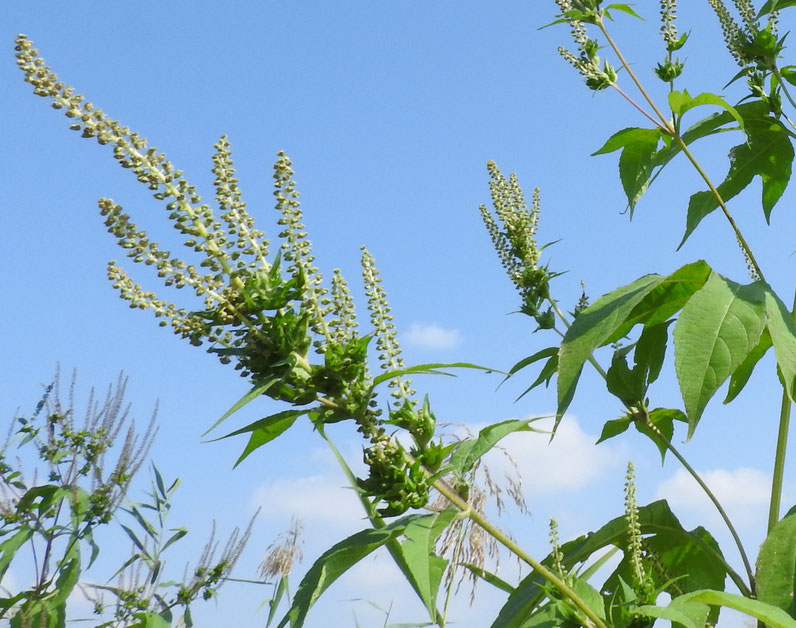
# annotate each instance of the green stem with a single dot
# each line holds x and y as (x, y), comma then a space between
(741, 240)
(666, 126)
(747, 565)
(664, 122)
(782, 444)
(654, 429)
(452, 496)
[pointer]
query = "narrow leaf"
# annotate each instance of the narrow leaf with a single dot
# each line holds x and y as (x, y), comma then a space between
(489, 577)
(418, 551)
(258, 389)
(267, 429)
(335, 562)
(772, 616)
(429, 369)
(469, 451)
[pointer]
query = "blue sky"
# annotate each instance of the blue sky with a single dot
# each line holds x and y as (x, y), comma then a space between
(389, 112)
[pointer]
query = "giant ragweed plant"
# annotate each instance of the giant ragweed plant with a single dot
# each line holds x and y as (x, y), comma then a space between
(296, 338)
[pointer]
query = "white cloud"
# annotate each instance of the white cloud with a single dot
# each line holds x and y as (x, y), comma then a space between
(313, 499)
(743, 493)
(432, 336)
(571, 461)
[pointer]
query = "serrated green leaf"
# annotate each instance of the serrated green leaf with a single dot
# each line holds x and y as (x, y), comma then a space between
(469, 451)
(783, 336)
(592, 328)
(718, 327)
(767, 153)
(694, 552)
(539, 355)
(775, 573)
(666, 299)
(680, 102)
(636, 160)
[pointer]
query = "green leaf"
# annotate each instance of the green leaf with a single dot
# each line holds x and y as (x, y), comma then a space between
(614, 427)
(767, 153)
(663, 419)
(666, 299)
(418, 551)
(9, 547)
(693, 552)
(741, 375)
(782, 329)
(151, 620)
(539, 355)
(489, 577)
(334, 562)
(469, 451)
(680, 102)
(775, 5)
(636, 160)
(718, 327)
(684, 613)
(258, 389)
(68, 574)
(591, 329)
(273, 603)
(624, 8)
(775, 573)
(267, 429)
(429, 369)
(178, 534)
(772, 616)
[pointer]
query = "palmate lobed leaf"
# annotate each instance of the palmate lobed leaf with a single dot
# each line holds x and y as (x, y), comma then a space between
(767, 153)
(718, 327)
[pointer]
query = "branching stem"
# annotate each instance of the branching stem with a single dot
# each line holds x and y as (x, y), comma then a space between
(747, 591)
